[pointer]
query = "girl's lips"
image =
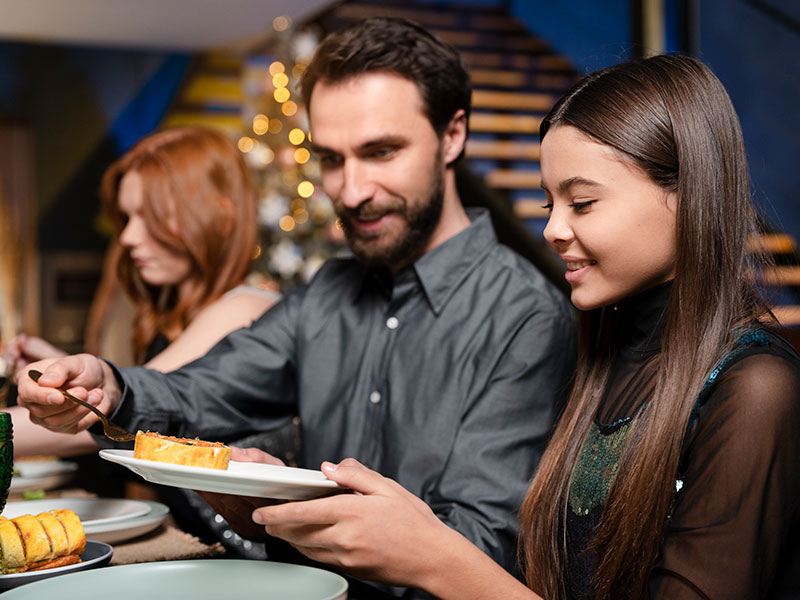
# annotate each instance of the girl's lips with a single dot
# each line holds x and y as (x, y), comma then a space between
(577, 269)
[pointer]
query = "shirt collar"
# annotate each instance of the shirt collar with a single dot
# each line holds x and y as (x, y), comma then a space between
(441, 270)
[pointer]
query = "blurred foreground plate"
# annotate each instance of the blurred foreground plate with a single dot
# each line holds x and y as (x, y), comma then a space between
(241, 479)
(196, 579)
(96, 554)
(41, 475)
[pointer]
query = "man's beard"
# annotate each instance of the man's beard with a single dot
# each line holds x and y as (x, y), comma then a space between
(420, 219)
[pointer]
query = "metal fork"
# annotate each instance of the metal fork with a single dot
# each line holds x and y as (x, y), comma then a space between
(112, 430)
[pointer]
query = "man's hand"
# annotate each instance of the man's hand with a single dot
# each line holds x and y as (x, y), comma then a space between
(238, 510)
(84, 375)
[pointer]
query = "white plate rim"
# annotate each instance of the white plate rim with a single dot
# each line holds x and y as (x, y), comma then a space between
(247, 479)
(136, 508)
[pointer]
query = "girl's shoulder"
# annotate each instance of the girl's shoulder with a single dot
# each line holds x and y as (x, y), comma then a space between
(759, 378)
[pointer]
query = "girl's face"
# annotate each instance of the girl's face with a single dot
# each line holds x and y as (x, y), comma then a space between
(609, 222)
(157, 264)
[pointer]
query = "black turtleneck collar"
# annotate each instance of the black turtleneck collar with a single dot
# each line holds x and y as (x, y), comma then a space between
(641, 319)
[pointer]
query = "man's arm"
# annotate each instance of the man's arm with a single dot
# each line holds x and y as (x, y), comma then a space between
(245, 384)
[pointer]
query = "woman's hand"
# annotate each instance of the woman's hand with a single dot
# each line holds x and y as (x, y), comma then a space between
(383, 532)
(24, 350)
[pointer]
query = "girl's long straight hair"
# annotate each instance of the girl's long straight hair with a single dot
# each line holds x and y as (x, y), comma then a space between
(670, 117)
(199, 200)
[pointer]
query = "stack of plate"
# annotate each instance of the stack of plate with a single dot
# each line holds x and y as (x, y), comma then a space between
(108, 520)
(41, 475)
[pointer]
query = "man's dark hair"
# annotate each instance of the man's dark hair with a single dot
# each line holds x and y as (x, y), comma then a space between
(401, 47)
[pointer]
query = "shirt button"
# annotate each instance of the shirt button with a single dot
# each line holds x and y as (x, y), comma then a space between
(375, 397)
(392, 322)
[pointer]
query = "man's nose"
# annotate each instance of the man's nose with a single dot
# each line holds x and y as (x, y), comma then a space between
(357, 186)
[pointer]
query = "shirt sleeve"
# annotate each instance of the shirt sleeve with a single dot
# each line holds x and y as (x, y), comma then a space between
(503, 434)
(737, 512)
(245, 384)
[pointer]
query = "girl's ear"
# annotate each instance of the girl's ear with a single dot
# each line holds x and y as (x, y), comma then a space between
(454, 138)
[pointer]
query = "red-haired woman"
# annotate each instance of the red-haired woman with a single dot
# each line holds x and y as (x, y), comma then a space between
(184, 208)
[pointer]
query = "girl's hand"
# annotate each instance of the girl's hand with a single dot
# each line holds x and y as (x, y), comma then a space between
(381, 532)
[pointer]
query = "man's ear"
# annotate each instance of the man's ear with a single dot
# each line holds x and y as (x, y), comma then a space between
(455, 137)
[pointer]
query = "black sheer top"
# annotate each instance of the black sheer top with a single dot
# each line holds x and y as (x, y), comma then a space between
(735, 525)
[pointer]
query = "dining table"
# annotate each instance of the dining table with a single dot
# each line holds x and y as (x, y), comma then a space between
(164, 560)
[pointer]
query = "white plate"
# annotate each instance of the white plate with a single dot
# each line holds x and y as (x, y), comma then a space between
(241, 479)
(95, 555)
(93, 512)
(196, 579)
(41, 475)
(121, 531)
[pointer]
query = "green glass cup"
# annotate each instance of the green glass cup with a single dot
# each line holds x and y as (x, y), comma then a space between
(6, 456)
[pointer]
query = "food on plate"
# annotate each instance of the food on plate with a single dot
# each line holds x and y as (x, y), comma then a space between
(191, 452)
(47, 540)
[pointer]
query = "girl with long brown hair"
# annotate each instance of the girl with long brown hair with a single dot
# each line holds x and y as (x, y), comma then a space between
(673, 471)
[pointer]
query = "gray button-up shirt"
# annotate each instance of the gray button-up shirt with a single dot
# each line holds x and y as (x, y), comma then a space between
(445, 379)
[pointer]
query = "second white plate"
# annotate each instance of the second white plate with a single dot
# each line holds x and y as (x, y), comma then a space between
(93, 512)
(241, 479)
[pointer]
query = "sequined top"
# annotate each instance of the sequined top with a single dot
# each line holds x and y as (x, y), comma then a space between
(735, 522)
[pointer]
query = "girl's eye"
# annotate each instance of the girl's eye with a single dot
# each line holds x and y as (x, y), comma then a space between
(548, 207)
(582, 206)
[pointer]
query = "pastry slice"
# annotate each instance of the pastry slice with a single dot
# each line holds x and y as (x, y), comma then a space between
(76, 537)
(56, 532)
(191, 452)
(12, 553)
(34, 539)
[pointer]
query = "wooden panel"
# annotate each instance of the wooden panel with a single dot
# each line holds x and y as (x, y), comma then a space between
(774, 243)
(530, 208)
(429, 18)
(512, 100)
(782, 276)
(503, 149)
(499, 123)
(787, 315)
(513, 179)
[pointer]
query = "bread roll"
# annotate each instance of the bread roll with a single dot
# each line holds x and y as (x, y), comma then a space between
(191, 452)
(48, 540)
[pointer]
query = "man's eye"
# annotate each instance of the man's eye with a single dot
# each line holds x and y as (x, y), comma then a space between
(330, 160)
(382, 152)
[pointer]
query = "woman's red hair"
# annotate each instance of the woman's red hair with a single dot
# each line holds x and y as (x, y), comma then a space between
(198, 199)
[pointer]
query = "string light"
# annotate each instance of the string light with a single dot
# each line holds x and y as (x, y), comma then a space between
(302, 156)
(289, 108)
(281, 23)
(305, 189)
(297, 136)
(246, 144)
(287, 223)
